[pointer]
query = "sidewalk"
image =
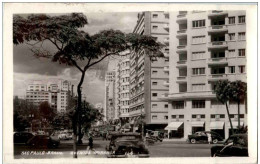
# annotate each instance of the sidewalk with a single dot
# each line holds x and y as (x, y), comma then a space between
(176, 140)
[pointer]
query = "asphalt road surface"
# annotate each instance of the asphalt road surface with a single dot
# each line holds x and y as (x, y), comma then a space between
(159, 149)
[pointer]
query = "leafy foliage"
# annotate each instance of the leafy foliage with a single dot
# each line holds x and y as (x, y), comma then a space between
(238, 91)
(223, 91)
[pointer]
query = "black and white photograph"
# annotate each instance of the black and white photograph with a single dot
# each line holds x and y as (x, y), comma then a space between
(142, 81)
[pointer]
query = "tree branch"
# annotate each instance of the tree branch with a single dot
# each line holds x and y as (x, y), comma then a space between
(106, 55)
(75, 64)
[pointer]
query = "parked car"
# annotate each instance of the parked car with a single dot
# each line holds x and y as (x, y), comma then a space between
(235, 145)
(43, 141)
(22, 137)
(202, 137)
(65, 135)
(123, 145)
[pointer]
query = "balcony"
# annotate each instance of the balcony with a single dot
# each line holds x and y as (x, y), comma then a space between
(181, 79)
(181, 48)
(217, 28)
(189, 95)
(214, 13)
(166, 69)
(166, 83)
(166, 54)
(218, 45)
(166, 27)
(217, 62)
(181, 63)
(136, 112)
(181, 33)
(166, 41)
(181, 18)
(217, 77)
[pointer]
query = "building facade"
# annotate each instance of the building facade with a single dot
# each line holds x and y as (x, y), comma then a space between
(149, 78)
(122, 88)
(109, 108)
(55, 93)
(205, 47)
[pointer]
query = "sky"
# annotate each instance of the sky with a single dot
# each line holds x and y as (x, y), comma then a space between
(28, 68)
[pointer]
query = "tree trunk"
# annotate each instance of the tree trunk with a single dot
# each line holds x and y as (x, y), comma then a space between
(80, 107)
(232, 130)
(238, 112)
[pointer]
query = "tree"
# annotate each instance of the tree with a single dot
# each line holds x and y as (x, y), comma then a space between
(77, 48)
(223, 92)
(238, 91)
(46, 112)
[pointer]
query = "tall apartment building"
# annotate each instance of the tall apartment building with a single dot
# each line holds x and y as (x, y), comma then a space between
(205, 47)
(149, 79)
(109, 108)
(55, 93)
(122, 88)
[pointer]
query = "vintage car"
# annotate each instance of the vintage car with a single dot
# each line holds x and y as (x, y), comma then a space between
(43, 141)
(235, 145)
(202, 137)
(22, 137)
(123, 145)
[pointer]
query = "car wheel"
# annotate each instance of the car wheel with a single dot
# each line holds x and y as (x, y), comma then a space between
(215, 141)
(193, 141)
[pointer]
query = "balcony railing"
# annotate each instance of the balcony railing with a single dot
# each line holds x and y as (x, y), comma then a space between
(217, 61)
(218, 44)
(166, 26)
(217, 13)
(181, 46)
(166, 83)
(181, 63)
(166, 54)
(182, 31)
(216, 77)
(218, 28)
(166, 68)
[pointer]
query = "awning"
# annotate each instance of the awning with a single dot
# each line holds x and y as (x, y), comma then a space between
(235, 124)
(197, 124)
(216, 125)
(173, 126)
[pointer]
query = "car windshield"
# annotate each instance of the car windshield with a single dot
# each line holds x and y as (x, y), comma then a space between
(127, 138)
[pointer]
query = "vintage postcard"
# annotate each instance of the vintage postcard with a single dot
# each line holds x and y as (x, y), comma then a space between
(143, 82)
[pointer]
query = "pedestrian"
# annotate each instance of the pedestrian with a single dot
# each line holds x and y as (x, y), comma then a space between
(209, 137)
(90, 144)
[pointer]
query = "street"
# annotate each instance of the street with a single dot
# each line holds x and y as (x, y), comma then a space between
(159, 149)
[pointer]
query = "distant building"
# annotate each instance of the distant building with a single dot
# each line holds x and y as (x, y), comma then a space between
(55, 93)
(109, 108)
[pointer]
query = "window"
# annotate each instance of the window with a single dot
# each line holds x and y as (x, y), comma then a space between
(198, 104)
(242, 69)
(222, 116)
(198, 39)
(154, 72)
(198, 71)
(198, 55)
(241, 52)
(232, 115)
(231, 69)
(178, 104)
(155, 27)
(155, 15)
(198, 87)
(198, 23)
(202, 116)
(166, 117)
(154, 94)
(231, 53)
(165, 105)
(212, 116)
(154, 117)
(231, 20)
(241, 116)
(173, 116)
(154, 83)
(193, 116)
(241, 19)
(231, 36)
(241, 36)
(154, 105)
(181, 116)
